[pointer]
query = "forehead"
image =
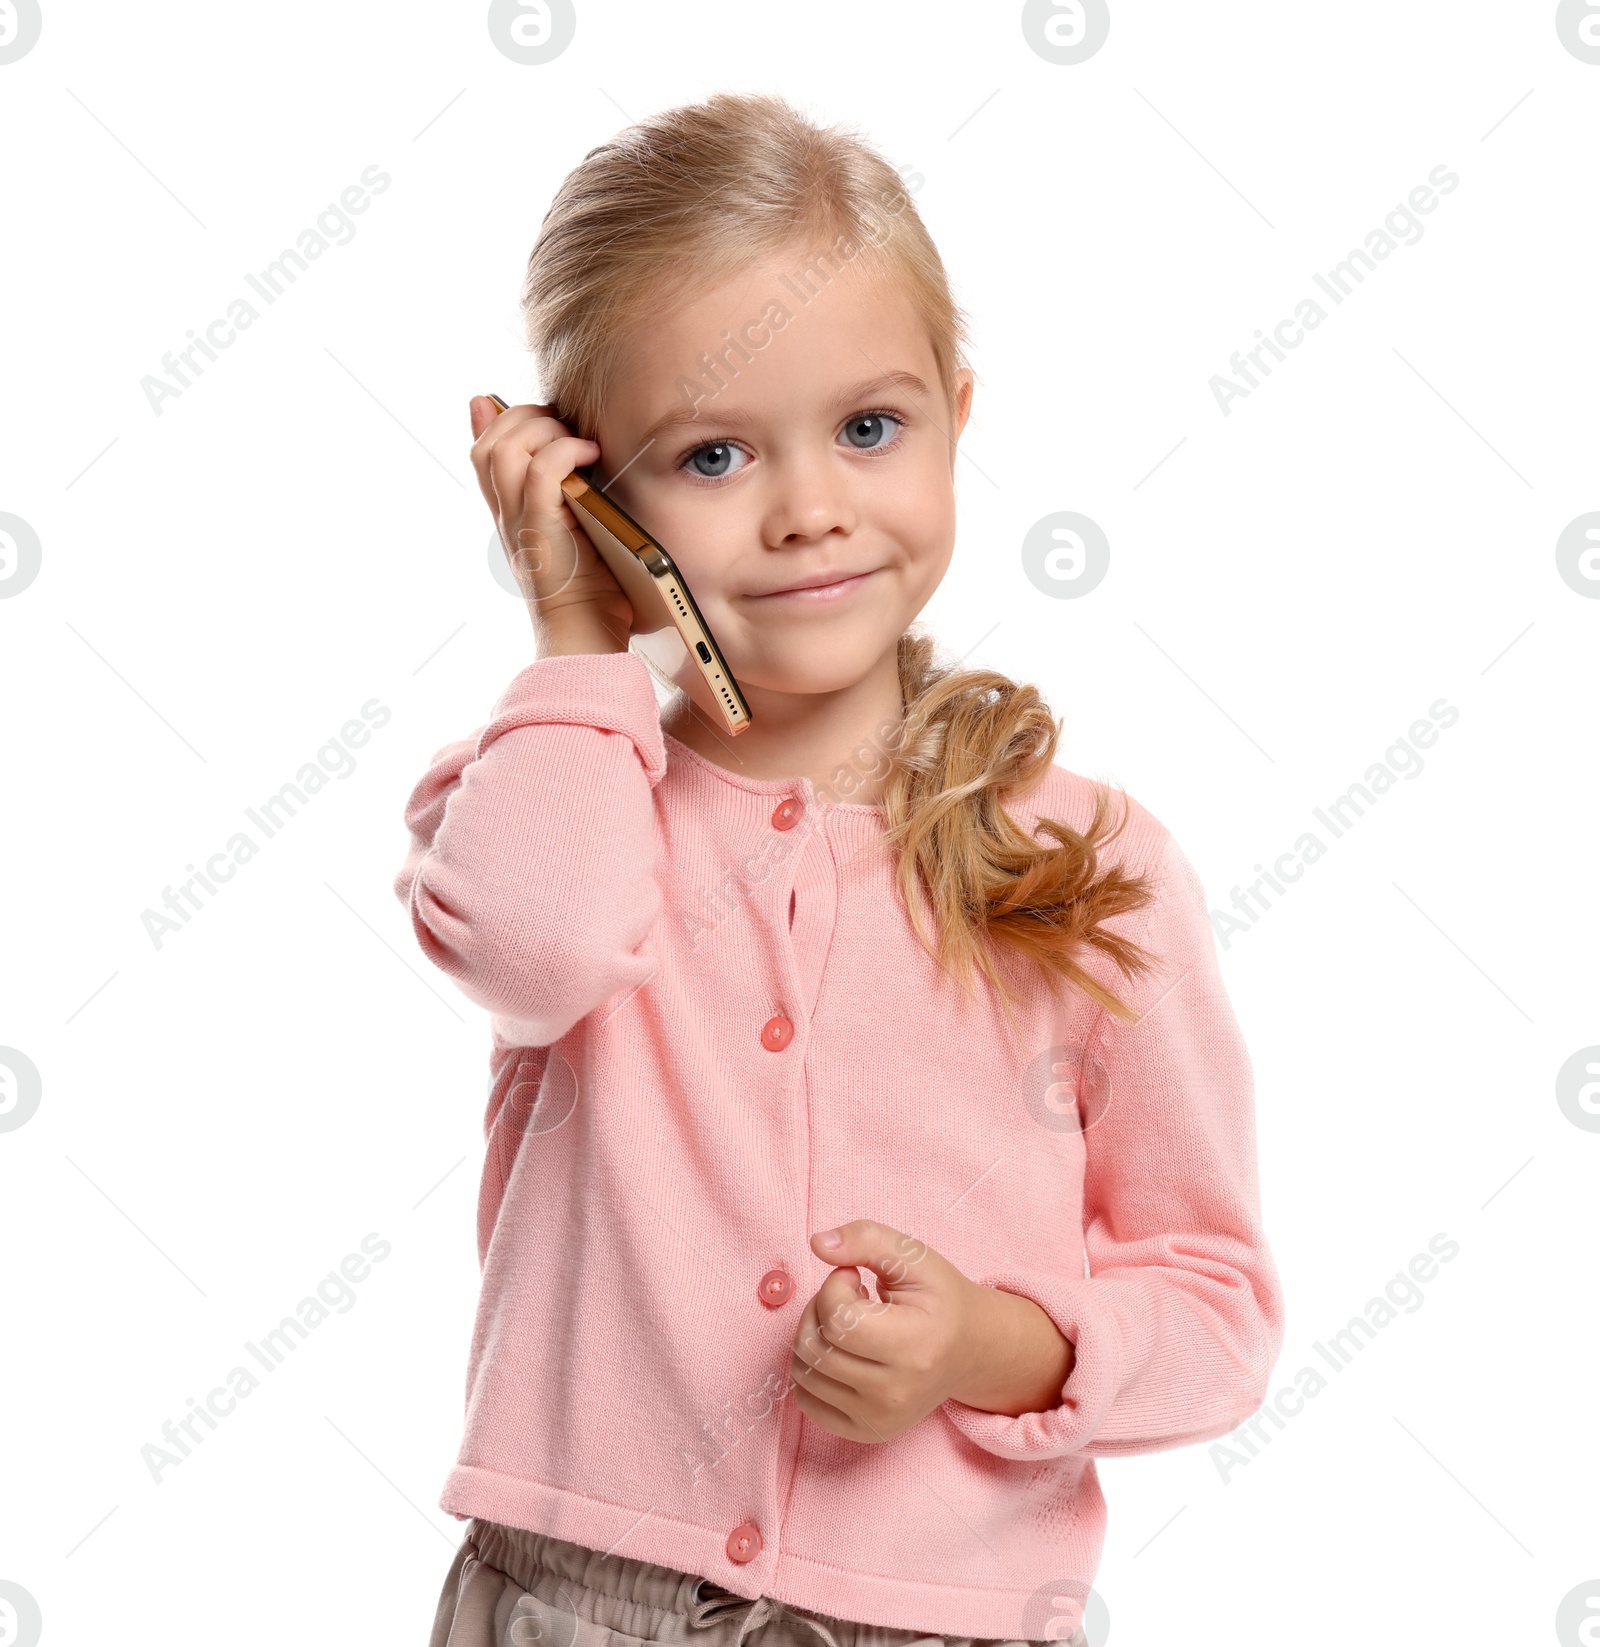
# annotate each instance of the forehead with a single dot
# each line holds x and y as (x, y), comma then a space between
(786, 333)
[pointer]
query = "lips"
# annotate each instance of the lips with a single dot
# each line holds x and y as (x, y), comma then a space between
(820, 580)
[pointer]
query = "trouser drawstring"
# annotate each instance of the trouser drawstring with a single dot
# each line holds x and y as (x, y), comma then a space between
(713, 1609)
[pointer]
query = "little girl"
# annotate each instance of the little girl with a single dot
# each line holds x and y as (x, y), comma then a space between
(875, 989)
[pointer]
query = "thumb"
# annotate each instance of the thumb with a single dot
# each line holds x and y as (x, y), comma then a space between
(901, 1262)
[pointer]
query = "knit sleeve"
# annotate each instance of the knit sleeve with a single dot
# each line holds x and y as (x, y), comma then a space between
(1180, 1319)
(530, 878)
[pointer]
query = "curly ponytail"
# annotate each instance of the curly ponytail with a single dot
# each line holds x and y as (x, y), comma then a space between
(973, 739)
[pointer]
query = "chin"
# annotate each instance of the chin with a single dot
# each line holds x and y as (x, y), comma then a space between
(808, 655)
(812, 671)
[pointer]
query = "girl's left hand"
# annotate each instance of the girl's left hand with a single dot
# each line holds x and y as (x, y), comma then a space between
(868, 1368)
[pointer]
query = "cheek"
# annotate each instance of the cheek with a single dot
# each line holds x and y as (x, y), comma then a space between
(703, 546)
(922, 511)
(927, 529)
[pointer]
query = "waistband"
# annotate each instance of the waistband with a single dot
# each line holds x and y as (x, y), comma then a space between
(527, 1558)
(640, 1598)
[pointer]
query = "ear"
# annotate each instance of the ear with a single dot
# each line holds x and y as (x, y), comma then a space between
(962, 408)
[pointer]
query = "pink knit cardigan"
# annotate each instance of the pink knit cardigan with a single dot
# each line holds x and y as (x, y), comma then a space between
(714, 1032)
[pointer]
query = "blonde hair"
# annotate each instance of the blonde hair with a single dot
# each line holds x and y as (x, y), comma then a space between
(688, 198)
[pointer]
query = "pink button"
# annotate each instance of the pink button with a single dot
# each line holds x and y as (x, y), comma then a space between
(775, 1288)
(744, 1542)
(777, 1033)
(787, 815)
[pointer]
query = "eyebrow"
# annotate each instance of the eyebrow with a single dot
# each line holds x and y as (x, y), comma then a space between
(682, 417)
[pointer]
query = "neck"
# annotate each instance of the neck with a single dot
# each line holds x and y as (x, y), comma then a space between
(840, 740)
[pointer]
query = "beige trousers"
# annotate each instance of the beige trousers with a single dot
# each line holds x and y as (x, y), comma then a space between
(511, 1588)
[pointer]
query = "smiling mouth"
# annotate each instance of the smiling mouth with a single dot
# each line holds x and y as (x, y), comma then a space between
(834, 589)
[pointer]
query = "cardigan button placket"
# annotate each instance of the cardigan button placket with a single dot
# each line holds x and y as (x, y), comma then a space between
(777, 1033)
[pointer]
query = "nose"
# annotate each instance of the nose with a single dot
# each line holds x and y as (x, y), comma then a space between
(809, 496)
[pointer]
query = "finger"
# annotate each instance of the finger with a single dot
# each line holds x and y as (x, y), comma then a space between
(484, 412)
(823, 1389)
(489, 420)
(830, 1418)
(844, 1311)
(533, 429)
(901, 1262)
(527, 428)
(844, 1315)
(489, 424)
(481, 411)
(527, 459)
(816, 1382)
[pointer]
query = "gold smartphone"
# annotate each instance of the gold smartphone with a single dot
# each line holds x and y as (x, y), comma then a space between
(669, 634)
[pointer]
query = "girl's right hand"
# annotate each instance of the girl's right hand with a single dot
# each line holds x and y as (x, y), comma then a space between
(521, 456)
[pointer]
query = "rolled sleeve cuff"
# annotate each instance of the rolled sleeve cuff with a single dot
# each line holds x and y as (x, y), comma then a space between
(610, 691)
(1084, 1316)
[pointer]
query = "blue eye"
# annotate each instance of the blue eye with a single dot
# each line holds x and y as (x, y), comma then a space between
(714, 461)
(868, 430)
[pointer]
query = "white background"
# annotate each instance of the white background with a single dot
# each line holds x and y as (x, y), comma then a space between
(1290, 586)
